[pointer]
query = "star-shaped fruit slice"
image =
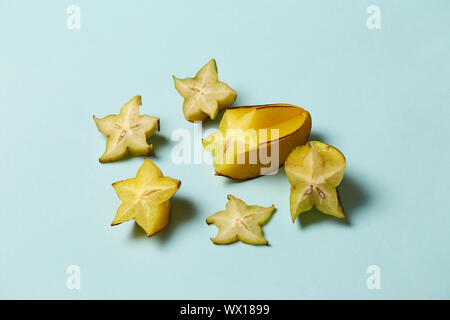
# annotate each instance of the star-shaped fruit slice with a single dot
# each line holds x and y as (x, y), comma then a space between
(240, 222)
(127, 132)
(314, 171)
(204, 95)
(146, 198)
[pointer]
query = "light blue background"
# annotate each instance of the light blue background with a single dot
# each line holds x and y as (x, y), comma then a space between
(380, 96)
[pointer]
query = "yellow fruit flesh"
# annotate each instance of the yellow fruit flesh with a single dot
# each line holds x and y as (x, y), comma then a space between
(146, 198)
(204, 95)
(127, 132)
(314, 171)
(246, 132)
(240, 222)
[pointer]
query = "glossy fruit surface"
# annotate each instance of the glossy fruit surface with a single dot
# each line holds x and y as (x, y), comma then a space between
(256, 140)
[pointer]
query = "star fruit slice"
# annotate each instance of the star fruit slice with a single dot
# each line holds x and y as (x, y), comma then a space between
(256, 140)
(314, 171)
(240, 222)
(127, 132)
(146, 198)
(204, 95)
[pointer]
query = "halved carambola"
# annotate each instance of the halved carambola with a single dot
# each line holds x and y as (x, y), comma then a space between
(204, 95)
(256, 140)
(127, 132)
(240, 222)
(314, 171)
(146, 198)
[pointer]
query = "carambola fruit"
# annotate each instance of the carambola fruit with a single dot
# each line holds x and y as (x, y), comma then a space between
(314, 171)
(240, 222)
(127, 132)
(256, 140)
(146, 198)
(204, 95)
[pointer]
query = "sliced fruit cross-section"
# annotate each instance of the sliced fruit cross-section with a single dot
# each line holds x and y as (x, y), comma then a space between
(146, 198)
(127, 132)
(240, 222)
(204, 95)
(314, 171)
(256, 140)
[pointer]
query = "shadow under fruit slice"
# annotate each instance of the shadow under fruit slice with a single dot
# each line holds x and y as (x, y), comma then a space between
(204, 95)
(127, 132)
(314, 171)
(256, 140)
(240, 222)
(146, 198)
